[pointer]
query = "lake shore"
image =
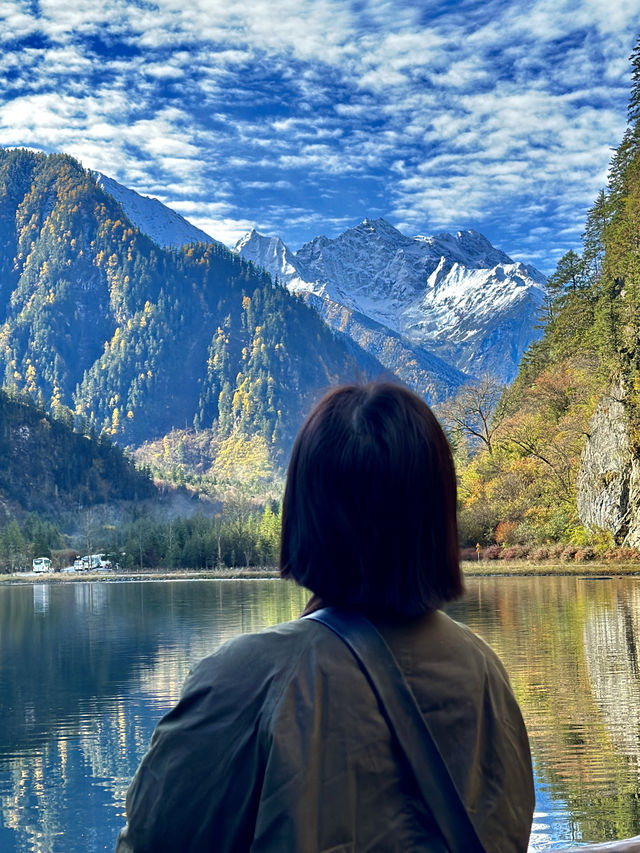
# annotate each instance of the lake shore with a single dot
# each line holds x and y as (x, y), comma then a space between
(471, 569)
(237, 573)
(527, 568)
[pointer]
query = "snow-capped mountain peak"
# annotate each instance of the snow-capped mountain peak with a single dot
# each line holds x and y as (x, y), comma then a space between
(466, 247)
(455, 295)
(165, 227)
(267, 252)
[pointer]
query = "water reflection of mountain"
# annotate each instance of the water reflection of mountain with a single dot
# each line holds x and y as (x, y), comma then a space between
(65, 651)
(553, 635)
(87, 669)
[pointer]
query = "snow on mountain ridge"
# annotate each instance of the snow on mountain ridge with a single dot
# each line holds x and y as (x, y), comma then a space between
(422, 370)
(454, 295)
(165, 227)
(466, 247)
(428, 374)
(266, 252)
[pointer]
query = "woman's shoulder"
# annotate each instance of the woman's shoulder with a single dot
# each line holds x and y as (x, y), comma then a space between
(444, 658)
(255, 660)
(280, 639)
(437, 633)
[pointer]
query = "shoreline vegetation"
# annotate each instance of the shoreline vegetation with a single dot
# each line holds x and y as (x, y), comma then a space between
(471, 569)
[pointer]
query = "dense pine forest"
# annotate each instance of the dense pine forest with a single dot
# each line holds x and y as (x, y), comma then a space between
(519, 468)
(63, 494)
(43, 461)
(48, 471)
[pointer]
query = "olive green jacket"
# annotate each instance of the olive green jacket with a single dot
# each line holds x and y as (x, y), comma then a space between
(278, 744)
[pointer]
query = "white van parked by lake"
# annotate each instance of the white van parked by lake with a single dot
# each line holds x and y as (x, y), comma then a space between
(41, 564)
(95, 561)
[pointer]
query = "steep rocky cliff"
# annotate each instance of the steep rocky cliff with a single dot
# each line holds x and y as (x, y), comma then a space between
(608, 484)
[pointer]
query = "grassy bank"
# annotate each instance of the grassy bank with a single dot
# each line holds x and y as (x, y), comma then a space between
(508, 568)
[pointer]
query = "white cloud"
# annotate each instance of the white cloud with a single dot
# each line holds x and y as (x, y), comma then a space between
(202, 209)
(16, 23)
(226, 230)
(268, 185)
(460, 117)
(164, 71)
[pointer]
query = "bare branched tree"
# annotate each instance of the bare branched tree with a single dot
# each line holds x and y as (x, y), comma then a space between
(470, 411)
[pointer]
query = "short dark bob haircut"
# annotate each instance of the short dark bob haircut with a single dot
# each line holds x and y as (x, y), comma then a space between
(369, 511)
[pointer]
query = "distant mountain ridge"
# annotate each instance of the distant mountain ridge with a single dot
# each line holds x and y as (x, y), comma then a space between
(453, 306)
(456, 297)
(422, 370)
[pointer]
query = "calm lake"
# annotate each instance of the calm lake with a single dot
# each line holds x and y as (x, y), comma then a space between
(86, 670)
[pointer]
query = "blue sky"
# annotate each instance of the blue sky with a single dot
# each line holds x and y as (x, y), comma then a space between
(302, 117)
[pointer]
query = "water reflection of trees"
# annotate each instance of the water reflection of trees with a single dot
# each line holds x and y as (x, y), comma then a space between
(85, 673)
(87, 669)
(570, 646)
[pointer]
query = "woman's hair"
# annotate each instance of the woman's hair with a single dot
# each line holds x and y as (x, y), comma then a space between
(369, 512)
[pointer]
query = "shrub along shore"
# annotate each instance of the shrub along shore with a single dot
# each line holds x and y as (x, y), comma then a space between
(555, 559)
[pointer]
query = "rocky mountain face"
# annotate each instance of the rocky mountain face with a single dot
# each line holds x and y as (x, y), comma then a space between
(430, 376)
(454, 297)
(608, 483)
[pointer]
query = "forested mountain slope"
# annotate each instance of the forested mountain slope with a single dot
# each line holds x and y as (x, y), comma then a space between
(46, 465)
(137, 339)
(549, 470)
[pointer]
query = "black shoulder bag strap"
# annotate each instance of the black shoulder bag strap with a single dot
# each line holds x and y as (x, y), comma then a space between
(407, 725)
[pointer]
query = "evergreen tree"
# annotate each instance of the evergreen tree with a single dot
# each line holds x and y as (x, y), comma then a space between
(569, 275)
